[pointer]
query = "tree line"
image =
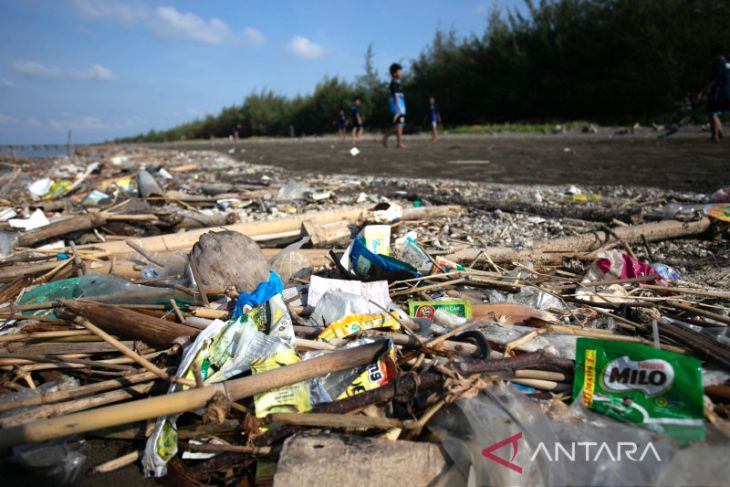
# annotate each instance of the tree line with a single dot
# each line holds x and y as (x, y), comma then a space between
(608, 61)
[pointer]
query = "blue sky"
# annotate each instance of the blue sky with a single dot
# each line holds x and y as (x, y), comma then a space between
(107, 68)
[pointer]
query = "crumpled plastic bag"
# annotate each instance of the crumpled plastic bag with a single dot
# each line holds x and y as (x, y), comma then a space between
(59, 462)
(503, 438)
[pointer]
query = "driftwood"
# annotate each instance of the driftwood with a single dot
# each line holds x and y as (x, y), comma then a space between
(125, 322)
(550, 250)
(72, 224)
(286, 227)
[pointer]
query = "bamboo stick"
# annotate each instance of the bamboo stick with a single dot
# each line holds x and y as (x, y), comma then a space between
(45, 397)
(190, 399)
(327, 420)
(116, 463)
(61, 408)
(214, 448)
(124, 349)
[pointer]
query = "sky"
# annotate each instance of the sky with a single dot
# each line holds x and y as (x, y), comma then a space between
(110, 68)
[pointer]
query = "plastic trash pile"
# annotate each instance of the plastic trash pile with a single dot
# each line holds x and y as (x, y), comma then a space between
(245, 331)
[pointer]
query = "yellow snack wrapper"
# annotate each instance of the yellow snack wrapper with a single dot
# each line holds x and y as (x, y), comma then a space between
(354, 323)
(290, 399)
(375, 375)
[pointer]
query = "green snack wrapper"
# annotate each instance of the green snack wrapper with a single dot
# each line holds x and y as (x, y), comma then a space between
(426, 309)
(657, 389)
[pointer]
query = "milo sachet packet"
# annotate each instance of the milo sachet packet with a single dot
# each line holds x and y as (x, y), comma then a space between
(657, 389)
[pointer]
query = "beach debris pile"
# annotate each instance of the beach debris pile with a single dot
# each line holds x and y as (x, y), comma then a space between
(229, 324)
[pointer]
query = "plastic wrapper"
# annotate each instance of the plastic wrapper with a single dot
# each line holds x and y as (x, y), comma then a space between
(336, 305)
(377, 239)
(356, 323)
(57, 462)
(427, 309)
(264, 292)
(222, 350)
(376, 291)
(294, 398)
(366, 263)
(555, 343)
(346, 383)
(528, 296)
(447, 265)
(611, 265)
(657, 389)
(666, 272)
(410, 252)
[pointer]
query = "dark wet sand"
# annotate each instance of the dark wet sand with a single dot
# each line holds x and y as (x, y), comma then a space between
(686, 162)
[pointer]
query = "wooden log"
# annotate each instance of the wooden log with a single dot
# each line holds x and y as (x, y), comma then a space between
(190, 399)
(129, 269)
(548, 250)
(76, 223)
(283, 227)
(185, 241)
(324, 236)
(329, 420)
(125, 322)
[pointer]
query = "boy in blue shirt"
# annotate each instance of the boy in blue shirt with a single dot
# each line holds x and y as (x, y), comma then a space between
(434, 117)
(357, 128)
(341, 124)
(718, 93)
(397, 105)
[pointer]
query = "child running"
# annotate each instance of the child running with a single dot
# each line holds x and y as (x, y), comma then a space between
(435, 118)
(357, 128)
(397, 106)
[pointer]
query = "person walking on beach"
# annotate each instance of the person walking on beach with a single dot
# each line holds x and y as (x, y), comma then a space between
(357, 127)
(434, 117)
(341, 124)
(397, 105)
(718, 93)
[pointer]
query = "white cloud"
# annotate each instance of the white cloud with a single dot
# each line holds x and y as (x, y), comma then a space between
(6, 83)
(303, 47)
(253, 37)
(185, 25)
(167, 22)
(6, 119)
(96, 71)
(38, 70)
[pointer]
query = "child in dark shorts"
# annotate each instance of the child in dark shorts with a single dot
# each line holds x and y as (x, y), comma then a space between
(357, 128)
(397, 106)
(718, 93)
